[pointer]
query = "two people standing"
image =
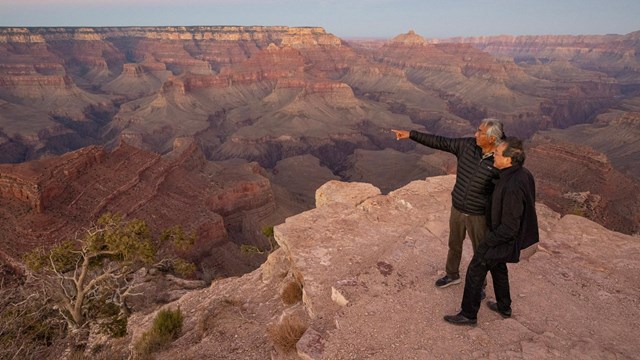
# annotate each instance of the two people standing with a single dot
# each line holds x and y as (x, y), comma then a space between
(495, 225)
(513, 226)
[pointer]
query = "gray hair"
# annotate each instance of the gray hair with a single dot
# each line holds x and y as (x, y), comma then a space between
(494, 128)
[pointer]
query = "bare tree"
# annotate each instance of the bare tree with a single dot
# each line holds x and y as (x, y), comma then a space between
(96, 265)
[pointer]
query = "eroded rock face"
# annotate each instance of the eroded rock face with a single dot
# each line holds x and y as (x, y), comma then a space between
(265, 94)
(39, 182)
(576, 179)
(477, 82)
(223, 33)
(615, 133)
(52, 79)
(367, 263)
(46, 201)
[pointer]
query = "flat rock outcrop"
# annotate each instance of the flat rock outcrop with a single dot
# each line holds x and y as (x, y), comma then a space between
(366, 264)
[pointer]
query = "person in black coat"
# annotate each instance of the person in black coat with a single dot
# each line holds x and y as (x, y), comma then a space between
(473, 188)
(513, 226)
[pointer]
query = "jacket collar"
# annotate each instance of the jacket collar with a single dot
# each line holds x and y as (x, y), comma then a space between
(506, 173)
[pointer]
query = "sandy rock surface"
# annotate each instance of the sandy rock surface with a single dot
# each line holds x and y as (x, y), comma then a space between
(368, 265)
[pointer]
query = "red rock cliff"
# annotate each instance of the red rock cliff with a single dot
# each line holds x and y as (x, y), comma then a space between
(39, 182)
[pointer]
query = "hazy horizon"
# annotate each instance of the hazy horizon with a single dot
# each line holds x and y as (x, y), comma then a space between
(348, 19)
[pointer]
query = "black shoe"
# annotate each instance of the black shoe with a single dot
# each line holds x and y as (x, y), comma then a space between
(459, 319)
(483, 294)
(494, 307)
(447, 281)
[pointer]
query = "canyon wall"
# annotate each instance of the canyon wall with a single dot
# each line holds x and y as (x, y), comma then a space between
(612, 54)
(49, 200)
(38, 183)
(265, 94)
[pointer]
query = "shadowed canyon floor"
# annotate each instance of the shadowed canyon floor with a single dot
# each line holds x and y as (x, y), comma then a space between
(367, 262)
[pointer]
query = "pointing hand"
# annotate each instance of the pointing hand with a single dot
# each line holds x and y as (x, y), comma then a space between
(401, 134)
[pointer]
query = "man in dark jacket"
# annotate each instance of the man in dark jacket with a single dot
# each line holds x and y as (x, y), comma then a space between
(513, 227)
(474, 185)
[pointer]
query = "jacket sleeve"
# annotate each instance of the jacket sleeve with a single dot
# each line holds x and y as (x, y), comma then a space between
(451, 145)
(510, 219)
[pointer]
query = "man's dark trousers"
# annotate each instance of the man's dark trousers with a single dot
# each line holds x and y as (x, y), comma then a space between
(459, 226)
(476, 275)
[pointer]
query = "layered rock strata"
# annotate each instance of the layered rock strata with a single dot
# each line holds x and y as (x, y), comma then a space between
(298, 35)
(39, 182)
(576, 179)
(46, 201)
(612, 54)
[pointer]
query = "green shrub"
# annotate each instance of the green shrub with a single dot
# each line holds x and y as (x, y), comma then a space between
(148, 344)
(111, 320)
(29, 326)
(267, 231)
(168, 323)
(250, 249)
(166, 327)
(184, 268)
(95, 265)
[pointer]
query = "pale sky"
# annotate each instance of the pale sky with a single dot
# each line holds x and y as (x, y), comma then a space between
(344, 18)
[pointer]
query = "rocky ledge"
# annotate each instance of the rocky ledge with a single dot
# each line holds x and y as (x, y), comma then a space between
(288, 35)
(366, 264)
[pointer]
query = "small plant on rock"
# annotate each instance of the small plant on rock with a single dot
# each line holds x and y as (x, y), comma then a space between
(184, 268)
(166, 327)
(285, 335)
(291, 293)
(267, 231)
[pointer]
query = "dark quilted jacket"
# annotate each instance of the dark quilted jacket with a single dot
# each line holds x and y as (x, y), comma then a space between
(474, 177)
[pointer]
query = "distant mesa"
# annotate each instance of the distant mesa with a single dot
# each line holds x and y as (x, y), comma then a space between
(409, 38)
